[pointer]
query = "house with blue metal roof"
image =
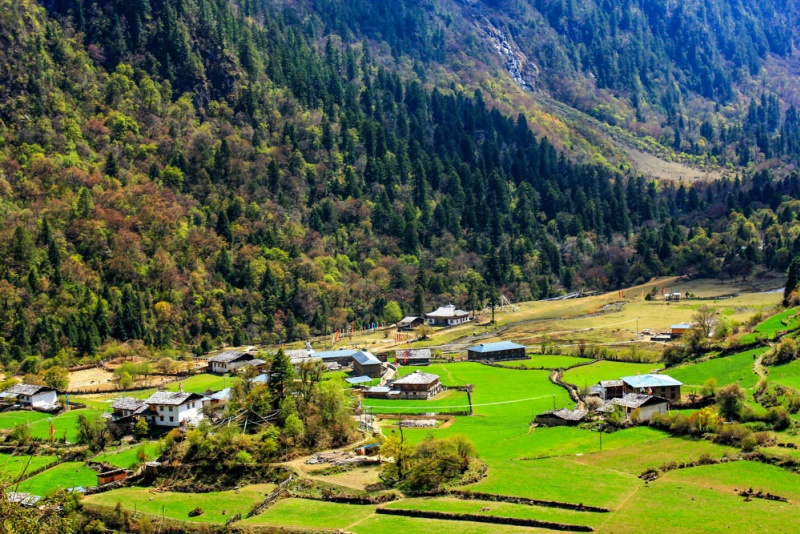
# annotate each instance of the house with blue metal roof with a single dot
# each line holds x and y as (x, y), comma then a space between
(663, 386)
(502, 350)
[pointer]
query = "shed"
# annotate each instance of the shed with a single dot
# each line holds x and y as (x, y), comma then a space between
(376, 392)
(663, 386)
(413, 356)
(365, 363)
(562, 417)
(410, 323)
(128, 407)
(356, 380)
(680, 328)
(502, 350)
(610, 389)
(114, 475)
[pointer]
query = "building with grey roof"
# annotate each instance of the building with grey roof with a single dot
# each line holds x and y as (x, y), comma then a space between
(645, 406)
(365, 363)
(663, 386)
(417, 385)
(32, 395)
(227, 361)
(175, 408)
(501, 350)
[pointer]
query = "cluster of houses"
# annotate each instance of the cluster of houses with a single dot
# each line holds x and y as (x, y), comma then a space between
(646, 395)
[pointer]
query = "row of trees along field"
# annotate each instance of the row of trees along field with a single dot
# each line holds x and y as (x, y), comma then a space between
(301, 186)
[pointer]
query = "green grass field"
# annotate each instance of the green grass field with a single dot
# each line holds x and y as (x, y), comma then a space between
(461, 506)
(65, 424)
(447, 401)
(589, 375)
(539, 361)
(305, 513)
(703, 499)
(62, 476)
(127, 458)
(201, 383)
(727, 370)
(773, 325)
(12, 466)
(381, 524)
(178, 505)
(787, 374)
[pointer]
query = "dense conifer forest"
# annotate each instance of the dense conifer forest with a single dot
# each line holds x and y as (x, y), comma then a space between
(193, 173)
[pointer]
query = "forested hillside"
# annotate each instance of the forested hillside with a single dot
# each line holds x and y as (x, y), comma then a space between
(191, 173)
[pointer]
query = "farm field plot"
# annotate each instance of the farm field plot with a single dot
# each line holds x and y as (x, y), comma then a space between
(787, 374)
(462, 506)
(202, 382)
(726, 370)
(450, 400)
(547, 362)
(703, 499)
(128, 457)
(381, 524)
(178, 505)
(773, 325)
(311, 514)
(65, 424)
(635, 459)
(12, 466)
(62, 476)
(589, 375)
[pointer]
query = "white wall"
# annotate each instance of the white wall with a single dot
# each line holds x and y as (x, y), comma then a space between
(647, 412)
(40, 399)
(189, 410)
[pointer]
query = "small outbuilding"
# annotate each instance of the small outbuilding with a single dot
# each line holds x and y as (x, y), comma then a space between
(663, 386)
(365, 363)
(502, 350)
(114, 475)
(417, 385)
(227, 361)
(648, 405)
(413, 356)
(32, 396)
(447, 316)
(562, 417)
(610, 389)
(680, 329)
(410, 323)
(128, 407)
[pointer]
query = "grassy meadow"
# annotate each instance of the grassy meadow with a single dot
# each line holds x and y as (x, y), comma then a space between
(737, 368)
(65, 425)
(12, 466)
(127, 457)
(62, 476)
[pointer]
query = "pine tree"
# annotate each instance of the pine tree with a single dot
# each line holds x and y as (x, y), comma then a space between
(281, 373)
(792, 279)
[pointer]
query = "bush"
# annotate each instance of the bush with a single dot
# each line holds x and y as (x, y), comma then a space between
(734, 434)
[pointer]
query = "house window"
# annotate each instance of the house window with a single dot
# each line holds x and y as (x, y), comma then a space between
(160, 408)
(162, 418)
(171, 419)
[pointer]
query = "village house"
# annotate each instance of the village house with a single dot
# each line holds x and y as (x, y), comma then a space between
(417, 385)
(125, 407)
(413, 356)
(31, 396)
(343, 357)
(610, 389)
(679, 329)
(502, 350)
(365, 363)
(170, 408)
(447, 316)
(663, 386)
(227, 361)
(648, 405)
(562, 417)
(410, 323)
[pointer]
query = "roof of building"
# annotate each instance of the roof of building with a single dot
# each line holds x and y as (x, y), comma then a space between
(682, 325)
(366, 358)
(496, 347)
(611, 383)
(223, 394)
(379, 389)
(260, 379)
(172, 398)
(417, 377)
(637, 400)
(413, 354)
(230, 356)
(28, 389)
(298, 353)
(256, 362)
(650, 381)
(330, 354)
(446, 312)
(128, 403)
(408, 320)
(358, 380)
(22, 498)
(567, 415)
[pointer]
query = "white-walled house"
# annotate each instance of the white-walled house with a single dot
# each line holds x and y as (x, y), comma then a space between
(227, 361)
(172, 408)
(33, 396)
(447, 316)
